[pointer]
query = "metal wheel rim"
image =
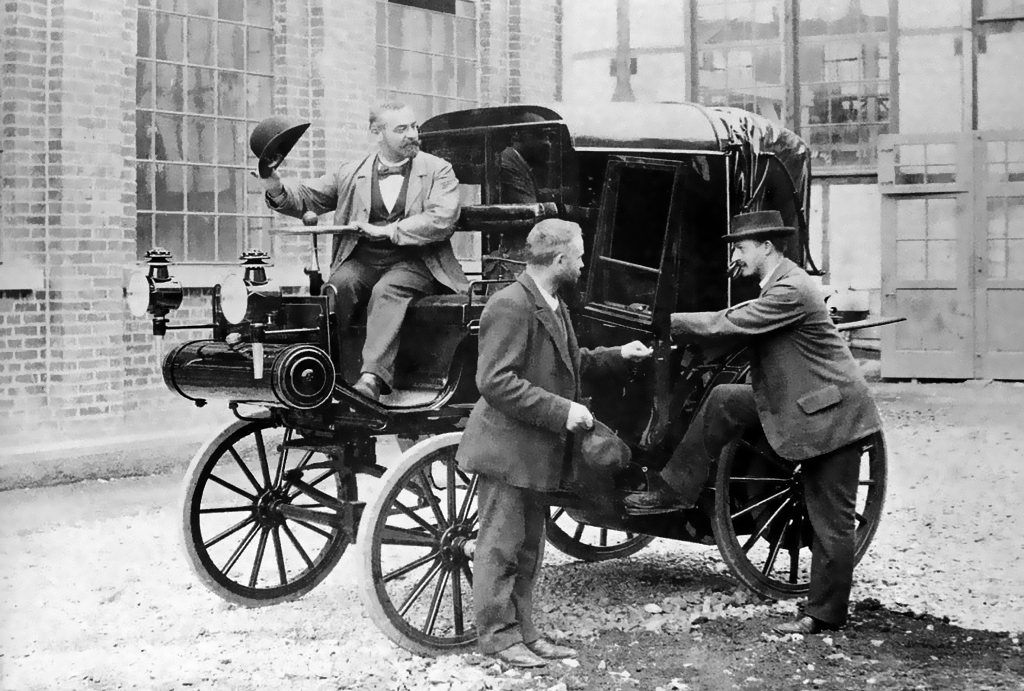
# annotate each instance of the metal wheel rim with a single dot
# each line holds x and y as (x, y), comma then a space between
(580, 538)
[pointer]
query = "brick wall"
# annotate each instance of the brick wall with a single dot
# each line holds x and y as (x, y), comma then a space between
(73, 362)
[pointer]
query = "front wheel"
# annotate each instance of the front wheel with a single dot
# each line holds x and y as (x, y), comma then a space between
(261, 516)
(760, 516)
(417, 538)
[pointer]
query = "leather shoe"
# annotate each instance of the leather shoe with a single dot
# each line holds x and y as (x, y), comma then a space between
(804, 625)
(661, 500)
(550, 651)
(369, 385)
(519, 655)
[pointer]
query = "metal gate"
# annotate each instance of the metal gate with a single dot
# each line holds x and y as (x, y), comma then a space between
(953, 255)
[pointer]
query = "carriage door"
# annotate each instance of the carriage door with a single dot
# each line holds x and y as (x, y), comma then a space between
(927, 256)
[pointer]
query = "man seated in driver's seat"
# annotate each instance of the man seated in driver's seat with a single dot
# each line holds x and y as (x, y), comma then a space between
(404, 203)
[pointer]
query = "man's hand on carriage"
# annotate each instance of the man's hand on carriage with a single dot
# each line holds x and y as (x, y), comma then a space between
(372, 232)
(580, 419)
(635, 351)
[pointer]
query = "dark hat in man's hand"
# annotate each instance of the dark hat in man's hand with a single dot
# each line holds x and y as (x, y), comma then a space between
(758, 225)
(272, 139)
(601, 450)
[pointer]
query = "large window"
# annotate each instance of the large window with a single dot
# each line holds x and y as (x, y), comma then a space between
(426, 54)
(204, 80)
(844, 79)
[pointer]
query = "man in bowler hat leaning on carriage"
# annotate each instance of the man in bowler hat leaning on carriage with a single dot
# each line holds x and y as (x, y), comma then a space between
(519, 433)
(808, 395)
(402, 204)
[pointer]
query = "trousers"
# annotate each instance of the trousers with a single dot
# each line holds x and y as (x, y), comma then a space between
(386, 282)
(506, 563)
(829, 484)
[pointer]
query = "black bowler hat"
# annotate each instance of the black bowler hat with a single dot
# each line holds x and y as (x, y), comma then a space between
(600, 449)
(758, 225)
(272, 139)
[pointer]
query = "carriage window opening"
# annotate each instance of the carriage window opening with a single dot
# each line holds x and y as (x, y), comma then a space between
(628, 264)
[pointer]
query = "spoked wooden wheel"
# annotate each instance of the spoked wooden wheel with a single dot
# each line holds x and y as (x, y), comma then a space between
(417, 539)
(760, 517)
(588, 542)
(257, 529)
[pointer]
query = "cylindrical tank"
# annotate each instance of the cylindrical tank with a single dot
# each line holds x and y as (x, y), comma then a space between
(299, 376)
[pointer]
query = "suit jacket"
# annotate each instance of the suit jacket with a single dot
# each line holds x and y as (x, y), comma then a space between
(431, 209)
(527, 375)
(811, 396)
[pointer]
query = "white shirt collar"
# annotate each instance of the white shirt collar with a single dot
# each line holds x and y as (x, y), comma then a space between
(768, 276)
(548, 298)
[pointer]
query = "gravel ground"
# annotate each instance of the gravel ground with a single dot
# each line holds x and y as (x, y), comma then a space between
(94, 593)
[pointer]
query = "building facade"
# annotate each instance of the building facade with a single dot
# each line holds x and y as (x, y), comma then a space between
(124, 125)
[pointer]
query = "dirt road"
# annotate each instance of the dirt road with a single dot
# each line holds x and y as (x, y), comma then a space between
(94, 593)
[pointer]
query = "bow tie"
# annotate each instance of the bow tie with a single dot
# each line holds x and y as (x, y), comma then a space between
(384, 170)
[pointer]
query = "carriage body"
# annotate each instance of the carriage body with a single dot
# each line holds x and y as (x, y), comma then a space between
(271, 503)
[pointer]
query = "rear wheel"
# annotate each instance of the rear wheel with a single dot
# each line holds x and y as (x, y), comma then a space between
(590, 543)
(250, 533)
(760, 516)
(417, 539)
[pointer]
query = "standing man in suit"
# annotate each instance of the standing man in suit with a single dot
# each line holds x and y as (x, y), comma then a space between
(517, 437)
(403, 205)
(808, 395)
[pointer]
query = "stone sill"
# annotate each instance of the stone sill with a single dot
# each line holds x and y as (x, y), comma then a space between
(21, 278)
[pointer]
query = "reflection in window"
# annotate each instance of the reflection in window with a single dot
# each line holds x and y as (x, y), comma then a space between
(1005, 161)
(919, 164)
(204, 81)
(1006, 238)
(739, 59)
(844, 79)
(427, 58)
(926, 231)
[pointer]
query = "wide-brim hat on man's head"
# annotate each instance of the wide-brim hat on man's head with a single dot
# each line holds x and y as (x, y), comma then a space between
(272, 139)
(758, 225)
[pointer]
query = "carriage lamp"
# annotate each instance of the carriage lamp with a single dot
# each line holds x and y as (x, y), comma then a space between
(250, 296)
(155, 292)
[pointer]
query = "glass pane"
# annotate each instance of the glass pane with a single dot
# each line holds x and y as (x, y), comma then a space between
(930, 83)
(234, 11)
(202, 240)
(260, 50)
(143, 186)
(144, 46)
(201, 41)
(143, 234)
(231, 142)
(169, 94)
(910, 261)
(1001, 100)
(169, 37)
(1015, 259)
(929, 15)
(465, 34)
(231, 46)
(143, 134)
(941, 260)
(230, 190)
(260, 13)
(231, 96)
(408, 71)
(467, 79)
(382, 23)
(169, 139)
(229, 235)
(1015, 217)
(409, 27)
(171, 5)
(169, 232)
(942, 219)
(259, 96)
(257, 235)
(444, 34)
(202, 8)
(910, 219)
(444, 76)
(144, 90)
(170, 187)
(200, 139)
(996, 265)
(996, 218)
(202, 87)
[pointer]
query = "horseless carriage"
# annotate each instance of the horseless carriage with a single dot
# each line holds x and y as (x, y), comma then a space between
(271, 503)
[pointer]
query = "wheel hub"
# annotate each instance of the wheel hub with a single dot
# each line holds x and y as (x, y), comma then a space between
(456, 544)
(267, 507)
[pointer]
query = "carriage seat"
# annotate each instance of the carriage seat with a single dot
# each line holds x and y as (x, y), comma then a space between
(448, 309)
